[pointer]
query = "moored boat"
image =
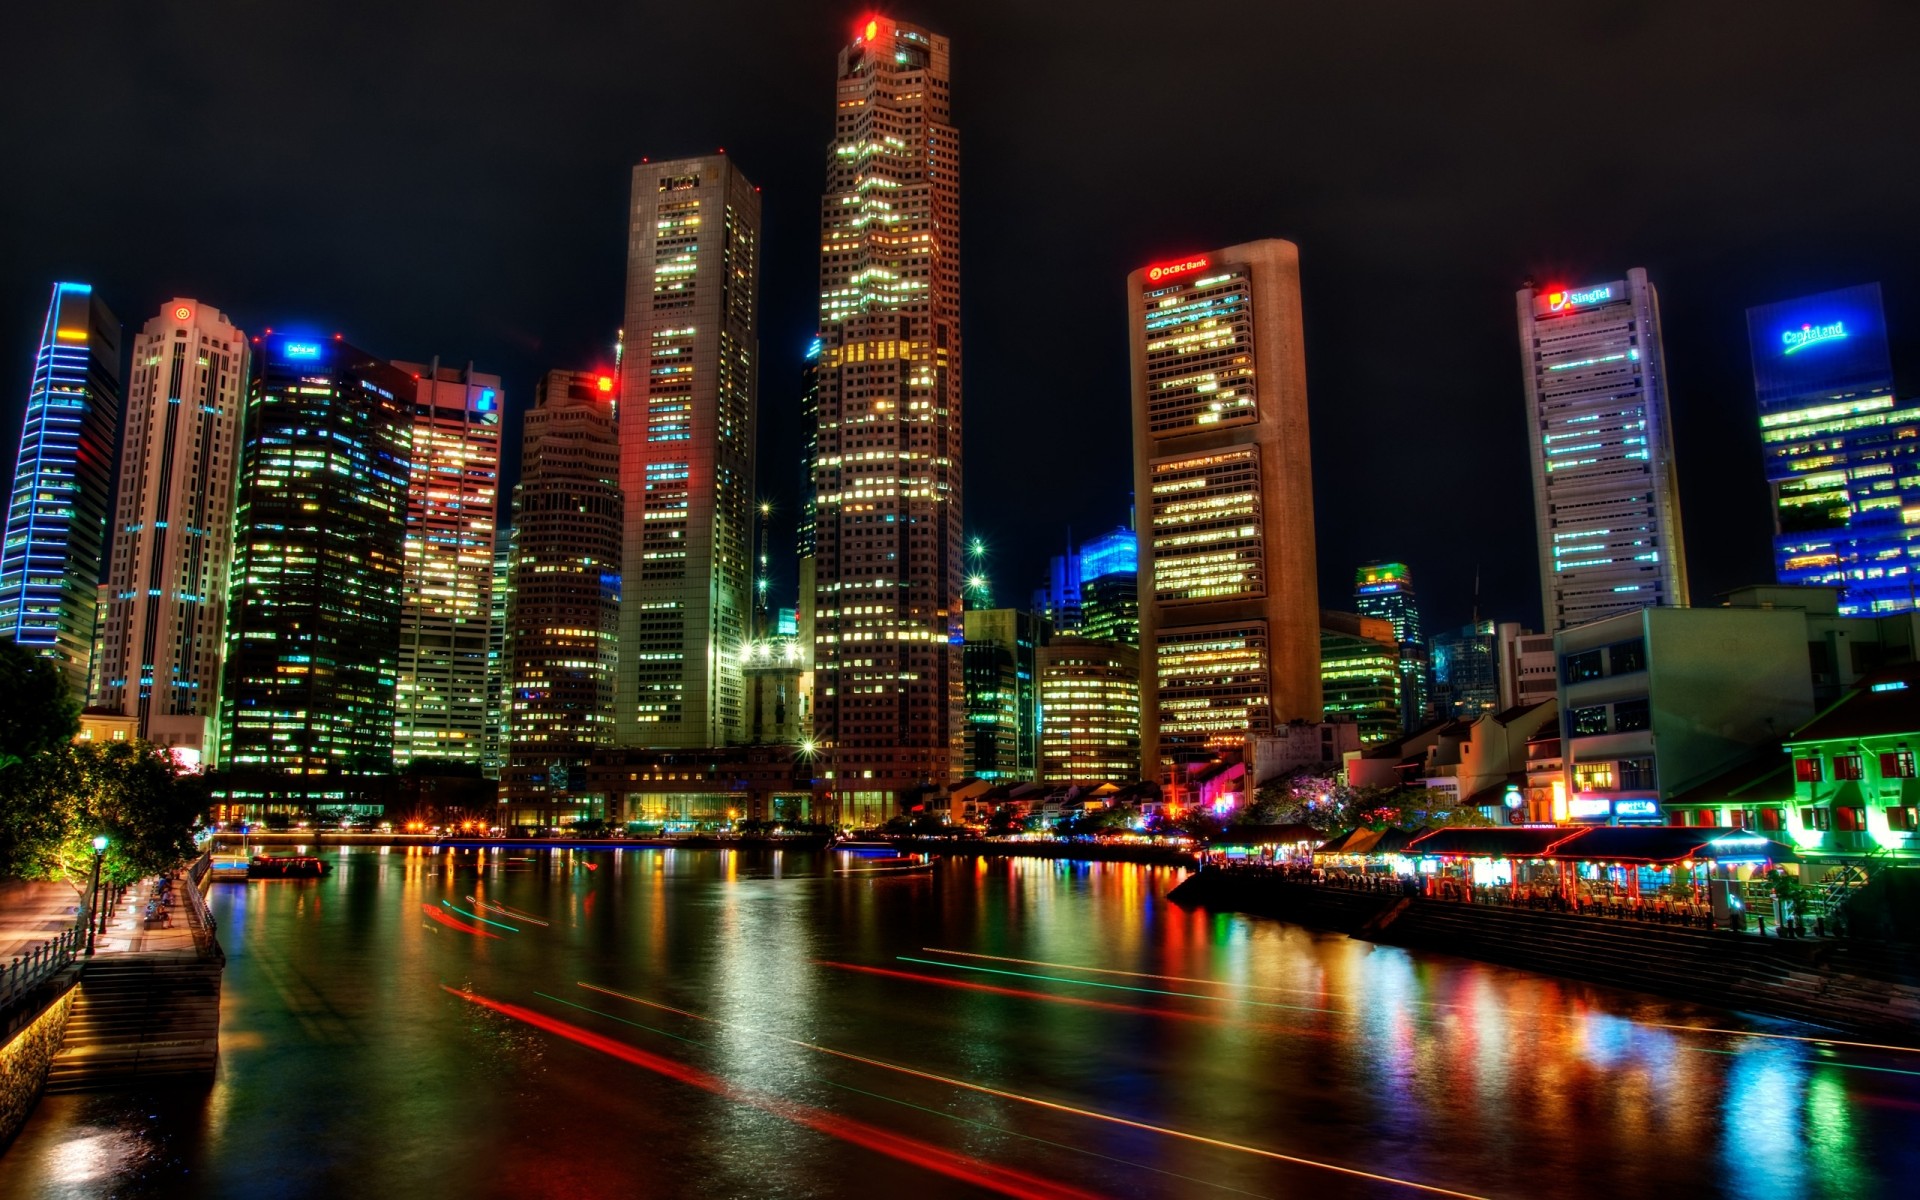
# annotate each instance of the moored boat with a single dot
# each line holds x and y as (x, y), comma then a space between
(303, 866)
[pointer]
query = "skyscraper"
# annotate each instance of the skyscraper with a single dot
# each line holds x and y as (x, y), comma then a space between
(313, 609)
(689, 375)
(1001, 676)
(1466, 671)
(1385, 590)
(1229, 603)
(564, 601)
(1842, 454)
(888, 573)
(57, 517)
(1110, 588)
(493, 754)
(446, 616)
(165, 602)
(1089, 711)
(1606, 506)
(1360, 673)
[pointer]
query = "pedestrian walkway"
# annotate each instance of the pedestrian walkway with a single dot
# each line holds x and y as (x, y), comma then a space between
(32, 913)
(170, 931)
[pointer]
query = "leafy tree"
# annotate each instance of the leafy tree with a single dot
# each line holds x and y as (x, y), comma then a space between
(36, 713)
(53, 805)
(1090, 822)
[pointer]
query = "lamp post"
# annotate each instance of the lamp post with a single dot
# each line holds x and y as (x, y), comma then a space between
(93, 893)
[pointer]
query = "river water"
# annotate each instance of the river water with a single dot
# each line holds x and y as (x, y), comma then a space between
(758, 1024)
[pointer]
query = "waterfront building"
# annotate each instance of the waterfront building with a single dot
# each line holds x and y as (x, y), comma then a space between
(1466, 671)
(688, 415)
(1482, 762)
(1360, 674)
(1002, 693)
(1842, 454)
(163, 630)
(890, 692)
(1089, 697)
(704, 788)
(563, 611)
(56, 532)
(1385, 590)
(1110, 587)
(1606, 505)
(313, 609)
(1854, 789)
(1229, 604)
(446, 615)
(779, 691)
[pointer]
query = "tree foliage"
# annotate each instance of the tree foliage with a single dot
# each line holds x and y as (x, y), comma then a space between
(36, 713)
(54, 804)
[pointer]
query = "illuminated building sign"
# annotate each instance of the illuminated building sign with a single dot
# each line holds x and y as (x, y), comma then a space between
(1585, 808)
(1168, 270)
(1636, 808)
(183, 313)
(1796, 340)
(1562, 299)
(301, 349)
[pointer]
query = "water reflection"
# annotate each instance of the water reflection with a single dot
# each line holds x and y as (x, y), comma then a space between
(757, 1025)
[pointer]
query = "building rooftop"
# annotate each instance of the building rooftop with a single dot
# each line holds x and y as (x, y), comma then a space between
(1886, 702)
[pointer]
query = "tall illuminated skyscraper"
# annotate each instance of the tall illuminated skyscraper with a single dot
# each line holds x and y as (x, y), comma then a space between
(165, 602)
(689, 374)
(494, 755)
(888, 573)
(1001, 677)
(57, 516)
(1110, 587)
(1089, 711)
(564, 599)
(1360, 673)
(1385, 590)
(1229, 603)
(1842, 454)
(313, 608)
(1606, 506)
(446, 618)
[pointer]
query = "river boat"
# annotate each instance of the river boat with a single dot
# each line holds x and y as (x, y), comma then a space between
(304, 866)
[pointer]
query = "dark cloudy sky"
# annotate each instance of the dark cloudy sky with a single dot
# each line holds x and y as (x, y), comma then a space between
(449, 176)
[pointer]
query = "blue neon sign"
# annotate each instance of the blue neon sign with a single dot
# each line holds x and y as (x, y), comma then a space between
(1849, 330)
(300, 349)
(1796, 340)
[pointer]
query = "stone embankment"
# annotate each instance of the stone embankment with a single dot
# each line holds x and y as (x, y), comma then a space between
(1858, 986)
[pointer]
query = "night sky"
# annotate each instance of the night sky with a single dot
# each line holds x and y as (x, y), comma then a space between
(451, 178)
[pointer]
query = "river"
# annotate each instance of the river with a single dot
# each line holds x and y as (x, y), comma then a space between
(797, 1024)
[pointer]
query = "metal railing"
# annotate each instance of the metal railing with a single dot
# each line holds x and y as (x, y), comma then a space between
(205, 929)
(28, 971)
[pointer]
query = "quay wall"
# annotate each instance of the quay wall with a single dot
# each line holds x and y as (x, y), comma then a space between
(1853, 986)
(28, 1055)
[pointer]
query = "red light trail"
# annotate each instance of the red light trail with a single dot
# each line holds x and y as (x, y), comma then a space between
(450, 923)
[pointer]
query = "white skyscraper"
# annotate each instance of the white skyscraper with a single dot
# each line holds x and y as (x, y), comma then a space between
(1605, 503)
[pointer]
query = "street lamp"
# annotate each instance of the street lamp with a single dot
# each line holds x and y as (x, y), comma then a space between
(93, 892)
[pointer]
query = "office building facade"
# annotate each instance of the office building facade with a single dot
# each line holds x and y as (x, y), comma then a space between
(313, 609)
(1842, 453)
(1002, 673)
(56, 532)
(1110, 588)
(1606, 505)
(688, 411)
(1465, 665)
(1385, 590)
(1360, 674)
(887, 476)
(1089, 711)
(1229, 604)
(563, 609)
(446, 616)
(163, 633)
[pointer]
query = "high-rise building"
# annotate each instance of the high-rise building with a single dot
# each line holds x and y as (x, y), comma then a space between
(689, 375)
(1059, 600)
(1842, 454)
(57, 517)
(564, 604)
(1606, 506)
(1229, 602)
(888, 571)
(1001, 673)
(1110, 588)
(493, 755)
(1360, 674)
(1466, 672)
(446, 616)
(163, 635)
(1089, 711)
(1385, 590)
(313, 608)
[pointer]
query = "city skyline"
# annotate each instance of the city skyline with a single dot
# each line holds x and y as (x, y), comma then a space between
(1449, 384)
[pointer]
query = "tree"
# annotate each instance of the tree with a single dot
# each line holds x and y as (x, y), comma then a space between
(53, 805)
(36, 713)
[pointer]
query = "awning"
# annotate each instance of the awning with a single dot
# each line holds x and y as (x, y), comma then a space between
(1668, 844)
(1395, 841)
(1492, 842)
(1267, 835)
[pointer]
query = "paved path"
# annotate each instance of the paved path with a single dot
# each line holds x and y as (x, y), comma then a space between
(31, 913)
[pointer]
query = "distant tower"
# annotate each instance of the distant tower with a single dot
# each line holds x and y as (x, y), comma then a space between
(888, 570)
(446, 618)
(689, 373)
(1606, 506)
(1229, 603)
(57, 518)
(165, 602)
(1385, 590)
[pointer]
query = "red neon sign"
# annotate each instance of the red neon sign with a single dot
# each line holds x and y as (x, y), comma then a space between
(605, 383)
(1167, 270)
(182, 313)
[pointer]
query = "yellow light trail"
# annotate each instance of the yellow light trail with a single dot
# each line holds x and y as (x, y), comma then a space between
(1072, 1110)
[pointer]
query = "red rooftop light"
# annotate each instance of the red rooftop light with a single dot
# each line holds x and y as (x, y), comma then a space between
(605, 383)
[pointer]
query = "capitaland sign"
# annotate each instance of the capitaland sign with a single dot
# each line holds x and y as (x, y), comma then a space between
(1168, 270)
(1796, 340)
(301, 349)
(1563, 299)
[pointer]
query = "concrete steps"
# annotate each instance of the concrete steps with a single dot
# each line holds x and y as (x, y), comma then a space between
(140, 1018)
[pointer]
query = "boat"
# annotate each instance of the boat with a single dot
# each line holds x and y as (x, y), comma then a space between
(886, 866)
(304, 866)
